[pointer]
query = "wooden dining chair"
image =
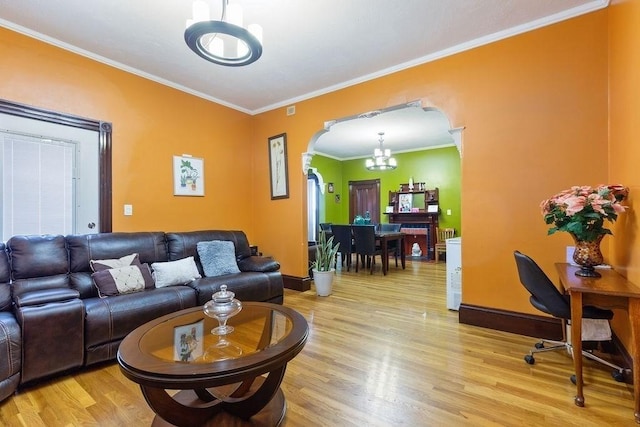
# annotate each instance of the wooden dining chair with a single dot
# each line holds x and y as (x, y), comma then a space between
(364, 237)
(342, 234)
(442, 234)
(393, 247)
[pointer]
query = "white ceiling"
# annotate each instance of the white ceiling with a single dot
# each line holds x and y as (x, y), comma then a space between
(406, 128)
(311, 47)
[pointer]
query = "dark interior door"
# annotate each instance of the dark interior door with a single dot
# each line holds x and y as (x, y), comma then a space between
(364, 196)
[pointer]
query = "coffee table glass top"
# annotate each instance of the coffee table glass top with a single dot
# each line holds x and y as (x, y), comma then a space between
(187, 338)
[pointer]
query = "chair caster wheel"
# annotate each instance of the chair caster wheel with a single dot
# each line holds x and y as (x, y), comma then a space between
(529, 359)
(618, 376)
(539, 345)
(573, 379)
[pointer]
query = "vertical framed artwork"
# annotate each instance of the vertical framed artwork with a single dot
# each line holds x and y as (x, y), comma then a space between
(187, 341)
(188, 176)
(278, 167)
(405, 202)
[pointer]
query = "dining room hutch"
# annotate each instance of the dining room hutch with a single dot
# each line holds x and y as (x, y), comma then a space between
(416, 208)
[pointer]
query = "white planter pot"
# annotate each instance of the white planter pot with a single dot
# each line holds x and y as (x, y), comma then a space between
(324, 282)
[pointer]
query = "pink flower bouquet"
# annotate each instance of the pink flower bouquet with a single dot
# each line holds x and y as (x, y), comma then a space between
(582, 211)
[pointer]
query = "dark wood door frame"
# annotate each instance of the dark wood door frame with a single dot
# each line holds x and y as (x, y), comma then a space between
(364, 196)
(104, 130)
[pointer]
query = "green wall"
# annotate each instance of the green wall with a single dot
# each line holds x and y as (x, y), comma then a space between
(438, 167)
(331, 171)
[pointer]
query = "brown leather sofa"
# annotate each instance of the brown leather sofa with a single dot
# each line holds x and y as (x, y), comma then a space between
(10, 340)
(65, 325)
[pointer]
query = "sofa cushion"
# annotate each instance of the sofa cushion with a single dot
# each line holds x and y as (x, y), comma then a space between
(123, 280)
(175, 272)
(248, 286)
(109, 320)
(218, 257)
(183, 244)
(150, 246)
(105, 264)
(38, 263)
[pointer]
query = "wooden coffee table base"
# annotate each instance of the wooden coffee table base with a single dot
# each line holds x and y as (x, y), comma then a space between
(243, 390)
(270, 415)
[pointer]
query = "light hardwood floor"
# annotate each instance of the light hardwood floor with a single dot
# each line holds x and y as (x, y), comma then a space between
(382, 351)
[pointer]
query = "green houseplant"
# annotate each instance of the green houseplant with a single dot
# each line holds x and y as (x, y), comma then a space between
(324, 264)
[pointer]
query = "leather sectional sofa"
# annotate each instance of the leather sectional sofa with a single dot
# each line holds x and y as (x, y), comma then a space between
(53, 320)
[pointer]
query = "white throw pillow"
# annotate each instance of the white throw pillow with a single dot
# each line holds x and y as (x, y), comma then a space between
(175, 272)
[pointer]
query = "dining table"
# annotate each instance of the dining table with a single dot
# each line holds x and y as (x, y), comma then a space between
(384, 237)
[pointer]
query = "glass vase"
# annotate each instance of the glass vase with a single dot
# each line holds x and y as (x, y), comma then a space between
(587, 255)
(222, 306)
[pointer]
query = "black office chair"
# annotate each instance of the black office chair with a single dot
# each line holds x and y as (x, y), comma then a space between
(393, 247)
(342, 235)
(546, 297)
(364, 237)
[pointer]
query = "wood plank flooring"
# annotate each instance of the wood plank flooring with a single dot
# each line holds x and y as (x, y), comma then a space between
(382, 351)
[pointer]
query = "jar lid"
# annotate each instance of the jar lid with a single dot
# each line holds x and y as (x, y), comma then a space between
(223, 295)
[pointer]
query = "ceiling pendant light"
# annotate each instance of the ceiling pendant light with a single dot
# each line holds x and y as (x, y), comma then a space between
(381, 159)
(223, 42)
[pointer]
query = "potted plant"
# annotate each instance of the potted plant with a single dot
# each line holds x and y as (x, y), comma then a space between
(582, 211)
(324, 264)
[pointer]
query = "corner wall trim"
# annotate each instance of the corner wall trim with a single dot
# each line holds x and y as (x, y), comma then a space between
(510, 321)
(533, 326)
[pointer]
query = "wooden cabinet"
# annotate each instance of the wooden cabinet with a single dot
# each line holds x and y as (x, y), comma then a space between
(417, 211)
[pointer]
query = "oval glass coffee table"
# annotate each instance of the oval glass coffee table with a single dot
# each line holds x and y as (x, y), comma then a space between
(229, 379)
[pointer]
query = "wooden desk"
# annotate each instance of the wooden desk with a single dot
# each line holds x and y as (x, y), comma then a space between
(389, 236)
(611, 290)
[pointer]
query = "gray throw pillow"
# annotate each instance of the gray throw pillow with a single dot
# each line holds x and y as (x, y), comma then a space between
(218, 257)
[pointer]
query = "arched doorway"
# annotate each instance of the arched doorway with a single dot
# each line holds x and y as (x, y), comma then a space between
(408, 128)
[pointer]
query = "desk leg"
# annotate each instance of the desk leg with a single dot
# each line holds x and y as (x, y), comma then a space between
(634, 319)
(576, 343)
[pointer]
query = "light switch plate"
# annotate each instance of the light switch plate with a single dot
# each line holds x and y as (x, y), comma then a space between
(128, 210)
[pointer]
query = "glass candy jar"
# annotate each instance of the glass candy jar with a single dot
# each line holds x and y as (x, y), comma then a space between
(222, 306)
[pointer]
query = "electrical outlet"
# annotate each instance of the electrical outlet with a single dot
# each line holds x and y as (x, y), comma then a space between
(128, 210)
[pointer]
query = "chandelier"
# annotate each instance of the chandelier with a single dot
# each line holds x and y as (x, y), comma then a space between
(381, 159)
(223, 42)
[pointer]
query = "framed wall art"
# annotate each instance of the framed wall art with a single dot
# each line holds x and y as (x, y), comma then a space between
(405, 202)
(188, 176)
(278, 167)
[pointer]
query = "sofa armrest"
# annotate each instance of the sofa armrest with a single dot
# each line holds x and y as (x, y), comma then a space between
(259, 264)
(45, 296)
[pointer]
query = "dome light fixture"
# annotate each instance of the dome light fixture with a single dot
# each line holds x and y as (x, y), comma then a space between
(223, 42)
(381, 159)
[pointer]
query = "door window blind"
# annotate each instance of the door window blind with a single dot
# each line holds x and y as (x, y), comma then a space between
(38, 185)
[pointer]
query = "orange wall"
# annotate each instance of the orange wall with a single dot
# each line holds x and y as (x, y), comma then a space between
(151, 123)
(535, 111)
(624, 134)
(534, 107)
